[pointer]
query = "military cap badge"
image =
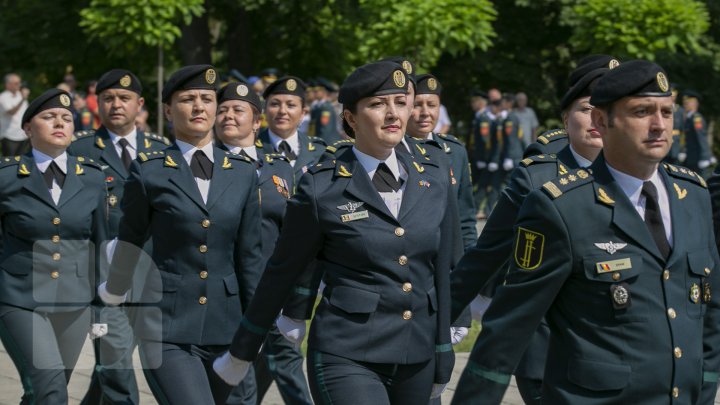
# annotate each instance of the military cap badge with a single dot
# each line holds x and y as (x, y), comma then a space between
(242, 90)
(210, 76)
(65, 100)
(399, 78)
(407, 66)
(432, 84)
(125, 81)
(291, 85)
(662, 81)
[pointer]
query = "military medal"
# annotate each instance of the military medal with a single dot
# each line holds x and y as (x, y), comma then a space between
(694, 293)
(112, 200)
(281, 186)
(707, 295)
(620, 296)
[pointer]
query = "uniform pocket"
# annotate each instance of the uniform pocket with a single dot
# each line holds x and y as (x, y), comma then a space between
(353, 300)
(432, 298)
(697, 282)
(598, 376)
(231, 284)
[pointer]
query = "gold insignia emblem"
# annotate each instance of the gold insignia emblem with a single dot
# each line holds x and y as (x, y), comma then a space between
(226, 163)
(432, 84)
(343, 172)
(65, 100)
(582, 174)
(418, 167)
(695, 293)
(125, 81)
(620, 295)
(603, 197)
(526, 161)
(311, 147)
(268, 158)
(242, 90)
(572, 177)
(662, 81)
(79, 169)
(291, 85)
(529, 247)
(399, 78)
(23, 170)
(552, 189)
(563, 181)
(421, 149)
(446, 148)
(169, 162)
(613, 64)
(707, 294)
(407, 66)
(210, 76)
(562, 170)
(258, 143)
(543, 140)
(147, 144)
(112, 200)
(681, 192)
(17, 158)
(99, 142)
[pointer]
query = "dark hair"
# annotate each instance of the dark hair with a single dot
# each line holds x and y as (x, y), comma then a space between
(346, 127)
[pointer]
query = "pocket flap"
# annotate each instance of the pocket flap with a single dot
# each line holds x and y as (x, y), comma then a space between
(353, 300)
(170, 282)
(612, 268)
(598, 376)
(231, 284)
(698, 261)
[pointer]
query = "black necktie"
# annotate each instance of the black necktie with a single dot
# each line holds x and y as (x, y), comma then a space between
(243, 153)
(653, 218)
(201, 165)
(125, 156)
(53, 172)
(384, 181)
(286, 150)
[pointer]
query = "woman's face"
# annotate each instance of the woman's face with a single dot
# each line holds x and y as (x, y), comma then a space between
(379, 123)
(51, 130)
(578, 124)
(192, 113)
(424, 115)
(236, 123)
(284, 113)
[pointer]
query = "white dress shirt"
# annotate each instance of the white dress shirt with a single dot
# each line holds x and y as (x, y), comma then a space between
(188, 151)
(392, 199)
(293, 141)
(132, 143)
(42, 161)
(584, 163)
(250, 150)
(632, 186)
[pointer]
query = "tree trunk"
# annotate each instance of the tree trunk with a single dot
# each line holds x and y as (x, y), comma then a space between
(194, 41)
(238, 40)
(160, 124)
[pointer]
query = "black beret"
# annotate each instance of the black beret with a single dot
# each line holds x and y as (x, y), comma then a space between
(286, 85)
(691, 94)
(405, 63)
(119, 79)
(590, 63)
(638, 78)
(326, 84)
(428, 84)
(190, 77)
(583, 87)
(373, 79)
(269, 74)
(53, 98)
(238, 91)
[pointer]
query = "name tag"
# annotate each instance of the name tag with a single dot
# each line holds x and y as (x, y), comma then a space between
(355, 216)
(613, 265)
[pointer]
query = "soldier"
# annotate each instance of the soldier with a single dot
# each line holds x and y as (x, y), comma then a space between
(199, 205)
(621, 259)
(678, 137)
(484, 147)
(322, 116)
(699, 156)
(238, 121)
(53, 216)
(115, 145)
(381, 333)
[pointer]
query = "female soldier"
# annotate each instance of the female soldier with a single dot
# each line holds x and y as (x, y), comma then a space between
(381, 332)
(53, 214)
(238, 120)
(199, 204)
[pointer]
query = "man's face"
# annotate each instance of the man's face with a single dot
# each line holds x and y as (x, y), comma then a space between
(12, 84)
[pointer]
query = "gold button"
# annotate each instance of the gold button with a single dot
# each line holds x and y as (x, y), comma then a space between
(56, 256)
(403, 260)
(676, 392)
(671, 313)
(677, 352)
(616, 276)
(202, 248)
(666, 275)
(55, 274)
(202, 300)
(407, 287)
(407, 315)
(203, 274)
(56, 238)
(56, 221)
(205, 223)
(399, 231)
(707, 270)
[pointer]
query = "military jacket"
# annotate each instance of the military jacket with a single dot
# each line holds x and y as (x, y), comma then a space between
(512, 144)
(323, 122)
(549, 142)
(311, 150)
(696, 142)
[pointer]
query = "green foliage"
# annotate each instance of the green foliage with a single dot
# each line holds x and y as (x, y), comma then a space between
(123, 25)
(637, 28)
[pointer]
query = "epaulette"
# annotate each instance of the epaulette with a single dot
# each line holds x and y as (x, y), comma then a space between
(552, 135)
(83, 134)
(89, 162)
(324, 165)
(451, 138)
(158, 138)
(339, 145)
(560, 185)
(271, 157)
(156, 154)
(237, 156)
(319, 141)
(549, 158)
(9, 161)
(684, 173)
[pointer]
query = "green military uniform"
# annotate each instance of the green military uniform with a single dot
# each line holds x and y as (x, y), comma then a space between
(552, 141)
(323, 122)
(696, 142)
(311, 150)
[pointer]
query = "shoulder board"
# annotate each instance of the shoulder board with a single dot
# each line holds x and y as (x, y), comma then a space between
(340, 145)
(549, 158)
(157, 138)
(88, 162)
(145, 156)
(451, 138)
(276, 156)
(561, 185)
(315, 139)
(83, 134)
(9, 161)
(237, 156)
(324, 165)
(552, 135)
(684, 173)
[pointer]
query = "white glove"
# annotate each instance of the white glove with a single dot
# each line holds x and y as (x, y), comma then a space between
(457, 334)
(703, 164)
(682, 156)
(110, 249)
(110, 299)
(230, 369)
(437, 390)
(478, 306)
(98, 330)
(713, 160)
(492, 167)
(480, 164)
(292, 329)
(507, 164)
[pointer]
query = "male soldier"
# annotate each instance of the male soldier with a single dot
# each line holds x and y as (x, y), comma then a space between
(621, 259)
(323, 120)
(115, 145)
(676, 150)
(698, 152)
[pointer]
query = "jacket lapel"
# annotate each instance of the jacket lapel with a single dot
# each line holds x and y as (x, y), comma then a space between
(222, 177)
(183, 177)
(263, 142)
(73, 184)
(305, 157)
(108, 153)
(414, 187)
(679, 216)
(35, 183)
